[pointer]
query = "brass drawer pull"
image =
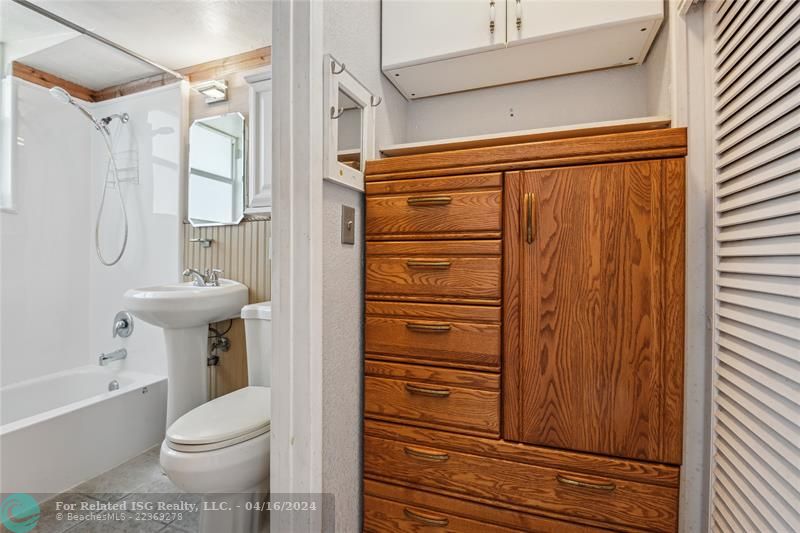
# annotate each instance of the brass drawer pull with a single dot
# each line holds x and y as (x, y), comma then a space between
(430, 200)
(584, 484)
(433, 265)
(529, 207)
(431, 520)
(428, 328)
(439, 393)
(426, 456)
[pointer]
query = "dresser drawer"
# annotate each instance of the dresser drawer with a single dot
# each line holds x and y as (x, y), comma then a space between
(432, 333)
(438, 208)
(595, 498)
(468, 271)
(435, 276)
(433, 398)
(385, 510)
(386, 516)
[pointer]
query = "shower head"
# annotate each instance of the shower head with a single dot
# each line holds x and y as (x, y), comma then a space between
(61, 95)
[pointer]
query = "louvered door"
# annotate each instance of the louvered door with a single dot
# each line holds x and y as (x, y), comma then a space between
(755, 479)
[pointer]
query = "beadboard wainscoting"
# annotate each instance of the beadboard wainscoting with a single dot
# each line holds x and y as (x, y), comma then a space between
(242, 252)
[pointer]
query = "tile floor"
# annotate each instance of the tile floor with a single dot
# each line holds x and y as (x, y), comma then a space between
(140, 480)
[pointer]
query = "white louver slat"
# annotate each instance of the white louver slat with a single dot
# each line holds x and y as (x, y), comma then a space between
(755, 474)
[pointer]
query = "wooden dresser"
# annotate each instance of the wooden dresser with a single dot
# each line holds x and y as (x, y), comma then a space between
(524, 336)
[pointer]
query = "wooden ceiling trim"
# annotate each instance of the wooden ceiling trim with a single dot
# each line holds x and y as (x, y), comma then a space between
(670, 142)
(218, 68)
(47, 80)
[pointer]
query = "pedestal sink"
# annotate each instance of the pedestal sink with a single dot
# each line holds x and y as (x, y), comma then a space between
(184, 311)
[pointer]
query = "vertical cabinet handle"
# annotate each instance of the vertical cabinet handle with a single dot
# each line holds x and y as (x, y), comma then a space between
(491, 16)
(528, 216)
(518, 8)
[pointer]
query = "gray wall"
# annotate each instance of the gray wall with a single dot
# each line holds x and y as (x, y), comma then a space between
(612, 94)
(352, 36)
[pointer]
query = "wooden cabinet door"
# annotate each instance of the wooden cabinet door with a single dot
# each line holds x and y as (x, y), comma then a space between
(594, 270)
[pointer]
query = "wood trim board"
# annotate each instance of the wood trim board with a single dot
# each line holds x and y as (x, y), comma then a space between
(216, 68)
(629, 146)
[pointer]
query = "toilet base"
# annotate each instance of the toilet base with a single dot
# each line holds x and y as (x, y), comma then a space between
(244, 512)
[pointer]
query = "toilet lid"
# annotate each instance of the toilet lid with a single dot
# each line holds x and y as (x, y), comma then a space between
(242, 412)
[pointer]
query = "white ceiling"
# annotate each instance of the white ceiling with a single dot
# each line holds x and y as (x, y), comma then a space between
(173, 33)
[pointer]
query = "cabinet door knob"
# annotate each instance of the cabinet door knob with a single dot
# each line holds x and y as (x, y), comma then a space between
(428, 519)
(491, 16)
(518, 8)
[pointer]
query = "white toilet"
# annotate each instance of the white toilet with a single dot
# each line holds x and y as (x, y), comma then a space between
(221, 448)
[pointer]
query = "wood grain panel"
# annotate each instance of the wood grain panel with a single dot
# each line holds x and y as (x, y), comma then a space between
(232, 367)
(591, 159)
(47, 80)
(435, 405)
(674, 222)
(432, 374)
(242, 251)
(559, 491)
(591, 312)
(639, 471)
(467, 278)
(464, 344)
(459, 183)
(511, 304)
(597, 146)
(385, 516)
(471, 313)
(479, 516)
(466, 213)
(461, 247)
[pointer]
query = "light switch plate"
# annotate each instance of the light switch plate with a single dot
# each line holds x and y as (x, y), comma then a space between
(348, 225)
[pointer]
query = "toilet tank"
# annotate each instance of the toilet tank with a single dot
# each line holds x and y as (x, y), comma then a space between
(258, 342)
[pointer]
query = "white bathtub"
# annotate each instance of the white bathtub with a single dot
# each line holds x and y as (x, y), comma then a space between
(61, 429)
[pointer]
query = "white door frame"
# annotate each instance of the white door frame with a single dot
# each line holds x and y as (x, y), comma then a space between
(690, 109)
(296, 426)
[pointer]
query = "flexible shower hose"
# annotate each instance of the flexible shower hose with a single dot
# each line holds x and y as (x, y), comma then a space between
(111, 168)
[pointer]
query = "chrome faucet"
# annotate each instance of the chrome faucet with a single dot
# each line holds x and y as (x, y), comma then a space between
(116, 355)
(209, 279)
(197, 276)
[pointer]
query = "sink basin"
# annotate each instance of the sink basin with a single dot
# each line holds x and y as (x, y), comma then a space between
(184, 311)
(183, 305)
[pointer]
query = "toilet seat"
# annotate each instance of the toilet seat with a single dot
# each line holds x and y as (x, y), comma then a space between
(239, 416)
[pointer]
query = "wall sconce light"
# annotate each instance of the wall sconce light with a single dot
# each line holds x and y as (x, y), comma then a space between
(213, 90)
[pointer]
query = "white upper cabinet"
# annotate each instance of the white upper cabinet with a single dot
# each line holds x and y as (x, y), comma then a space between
(259, 165)
(530, 20)
(440, 46)
(416, 31)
